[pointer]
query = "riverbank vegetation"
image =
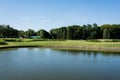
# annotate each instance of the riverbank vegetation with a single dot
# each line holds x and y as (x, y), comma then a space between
(2, 42)
(100, 45)
(86, 37)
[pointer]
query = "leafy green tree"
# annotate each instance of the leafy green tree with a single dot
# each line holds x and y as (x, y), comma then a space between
(85, 32)
(1, 31)
(44, 34)
(8, 32)
(69, 32)
(30, 33)
(115, 31)
(106, 34)
(95, 32)
(21, 33)
(74, 32)
(62, 33)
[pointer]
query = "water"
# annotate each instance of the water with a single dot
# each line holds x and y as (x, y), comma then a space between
(48, 64)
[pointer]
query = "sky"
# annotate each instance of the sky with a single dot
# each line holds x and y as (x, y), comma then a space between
(49, 14)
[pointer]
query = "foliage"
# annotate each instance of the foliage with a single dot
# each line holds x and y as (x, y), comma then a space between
(43, 34)
(8, 32)
(2, 42)
(103, 40)
(74, 32)
(12, 40)
(106, 34)
(112, 31)
(30, 33)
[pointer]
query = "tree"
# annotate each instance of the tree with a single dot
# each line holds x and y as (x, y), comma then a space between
(62, 33)
(44, 34)
(1, 31)
(115, 31)
(8, 32)
(54, 33)
(74, 32)
(95, 32)
(106, 34)
(30, 33)
(85, 32)
(21, 33)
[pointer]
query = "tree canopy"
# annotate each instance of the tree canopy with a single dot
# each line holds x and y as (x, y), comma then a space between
(74, 32)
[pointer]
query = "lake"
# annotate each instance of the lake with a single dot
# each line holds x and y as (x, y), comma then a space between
(49, 64)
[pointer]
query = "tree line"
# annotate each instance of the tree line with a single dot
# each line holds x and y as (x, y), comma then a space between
(74, 32)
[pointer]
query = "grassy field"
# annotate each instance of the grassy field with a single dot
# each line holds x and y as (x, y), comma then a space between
(101, 45)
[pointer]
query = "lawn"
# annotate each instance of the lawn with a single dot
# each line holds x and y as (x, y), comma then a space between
(64, 44)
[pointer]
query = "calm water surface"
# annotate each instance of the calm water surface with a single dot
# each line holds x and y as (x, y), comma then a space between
(48, 64)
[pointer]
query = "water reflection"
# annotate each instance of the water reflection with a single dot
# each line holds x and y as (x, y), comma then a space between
(8, 49)
(89, 53)
(48, 64)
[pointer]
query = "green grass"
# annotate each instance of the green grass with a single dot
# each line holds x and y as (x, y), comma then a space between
(75, 44)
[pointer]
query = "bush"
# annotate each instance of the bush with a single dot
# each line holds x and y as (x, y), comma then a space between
(103, 40)
(2, 42)
(116, 40)
(12, 40)
(93, 40)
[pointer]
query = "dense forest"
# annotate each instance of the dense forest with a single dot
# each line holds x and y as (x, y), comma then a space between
(74, 32)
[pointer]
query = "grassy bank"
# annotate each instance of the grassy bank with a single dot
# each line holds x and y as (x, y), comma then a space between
(66, 44)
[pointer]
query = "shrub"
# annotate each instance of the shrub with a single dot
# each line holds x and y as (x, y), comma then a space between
(92, 40)
(103, 40)
(2, 42)
(12, 40)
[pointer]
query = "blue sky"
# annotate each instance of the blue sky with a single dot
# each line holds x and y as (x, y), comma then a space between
(48, 14)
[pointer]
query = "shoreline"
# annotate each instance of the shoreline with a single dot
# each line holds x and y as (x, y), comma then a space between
(83, 48)
(66, 45)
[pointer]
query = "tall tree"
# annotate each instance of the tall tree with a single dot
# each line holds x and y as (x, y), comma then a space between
(30, 33)
(8, 32)
(21, 33)
(85, 32)
(95, 32)
(106, 34)
(44, 34)
(54, 33)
